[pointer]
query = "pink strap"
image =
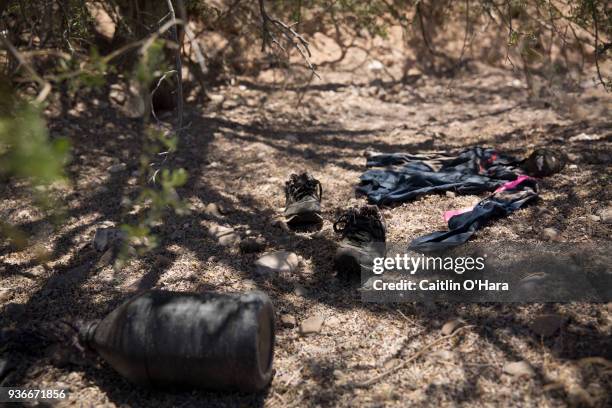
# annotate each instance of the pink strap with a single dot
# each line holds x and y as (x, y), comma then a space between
(512, 184)
(506, 186)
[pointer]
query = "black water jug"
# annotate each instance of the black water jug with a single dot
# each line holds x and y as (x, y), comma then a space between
(207, 340)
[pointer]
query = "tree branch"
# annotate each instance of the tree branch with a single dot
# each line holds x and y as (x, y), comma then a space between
(293, 37)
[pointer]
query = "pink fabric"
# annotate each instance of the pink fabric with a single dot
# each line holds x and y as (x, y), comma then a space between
(451, 213)
(506, 186)
(512, 184)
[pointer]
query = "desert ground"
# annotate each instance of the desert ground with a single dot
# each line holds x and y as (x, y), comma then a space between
(239, 147)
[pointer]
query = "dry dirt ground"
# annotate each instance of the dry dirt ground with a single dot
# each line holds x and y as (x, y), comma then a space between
(239, 149)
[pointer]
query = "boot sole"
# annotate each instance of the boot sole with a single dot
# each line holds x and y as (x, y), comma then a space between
(310, 217)
(348, 268)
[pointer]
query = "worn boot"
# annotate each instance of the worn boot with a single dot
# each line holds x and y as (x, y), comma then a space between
(363, 239)
(303, 200)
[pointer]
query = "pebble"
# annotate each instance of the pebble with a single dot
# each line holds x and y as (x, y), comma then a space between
(606, 215)
(116, 168)
(225, 236)
(332, 322)
(214, 210)
(595, 218)
(288, 320)
(451, 194)
(547, 325)
(551, 234)
(216, 99)
(277, 262)
(105, 238)
(106, 258)
(443, 355)
(519, 369)
(312, 325)
(452, 325)
(300, 291)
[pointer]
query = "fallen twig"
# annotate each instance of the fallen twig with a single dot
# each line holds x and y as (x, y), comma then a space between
(404, 363)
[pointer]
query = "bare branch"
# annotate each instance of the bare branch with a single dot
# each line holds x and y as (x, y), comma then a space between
(597, 51)
(179, 69)
(298, 42)
(44, 84)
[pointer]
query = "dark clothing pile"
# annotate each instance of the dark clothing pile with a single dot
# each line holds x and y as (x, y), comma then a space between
(473, 171)
(463, 225)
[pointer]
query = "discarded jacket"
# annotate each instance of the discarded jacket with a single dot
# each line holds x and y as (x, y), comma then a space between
(472, 171)
(463, 224)
(189, 340)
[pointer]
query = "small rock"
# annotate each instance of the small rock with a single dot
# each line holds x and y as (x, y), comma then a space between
(288, 320)
(5, 295)
(229, 239)
(105, 238)
(443, 355)
(375, 65)
(392, 362)
(451, 194)
(300, 291)
(216, 99)
(595, 218)
(292, 138)
(312, 325)
(107, 258)
(332, 322)
(225, 236)
(214, 210)
(452, 325)
(116, 168)
(606, 215)
(104, 24)
(573, 166)
(519, 369)
(252, 244)
(551, 234)
(547, 325)
(277, 262)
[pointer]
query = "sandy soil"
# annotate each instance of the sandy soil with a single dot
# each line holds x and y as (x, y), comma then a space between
(239, 150)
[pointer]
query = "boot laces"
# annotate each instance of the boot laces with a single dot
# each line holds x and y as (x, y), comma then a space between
(304, 185)
(361, 225)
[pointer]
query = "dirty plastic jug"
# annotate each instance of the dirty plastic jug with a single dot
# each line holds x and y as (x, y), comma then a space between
(208, 340)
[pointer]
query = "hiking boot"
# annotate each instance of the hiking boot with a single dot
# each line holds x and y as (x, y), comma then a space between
(363, 239)
(544, 163)
(303, 200)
